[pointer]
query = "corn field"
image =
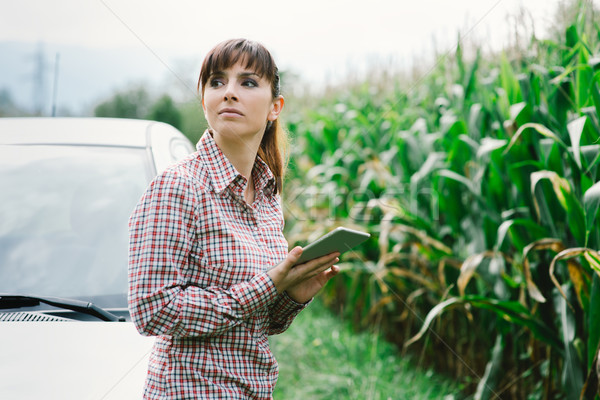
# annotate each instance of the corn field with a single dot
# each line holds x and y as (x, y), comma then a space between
(480, 185)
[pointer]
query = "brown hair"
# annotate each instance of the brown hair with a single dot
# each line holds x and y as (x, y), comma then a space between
(257, 58)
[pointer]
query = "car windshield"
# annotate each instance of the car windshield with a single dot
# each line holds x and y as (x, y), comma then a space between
(63, 218)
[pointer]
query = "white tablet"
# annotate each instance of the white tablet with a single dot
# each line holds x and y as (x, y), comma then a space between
(340, 239)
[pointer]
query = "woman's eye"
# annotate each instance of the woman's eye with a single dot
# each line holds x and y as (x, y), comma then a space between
(216, 82)
(250, 83)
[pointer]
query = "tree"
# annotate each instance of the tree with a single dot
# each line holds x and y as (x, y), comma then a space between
(8, 108)
(133, 103)
(138, 104)
(164, 110)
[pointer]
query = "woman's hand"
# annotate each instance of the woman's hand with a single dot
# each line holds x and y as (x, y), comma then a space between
(303, 281)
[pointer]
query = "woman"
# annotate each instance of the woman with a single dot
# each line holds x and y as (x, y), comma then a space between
(209, 271)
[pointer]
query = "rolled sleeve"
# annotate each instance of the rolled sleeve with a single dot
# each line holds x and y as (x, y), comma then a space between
(282, 313)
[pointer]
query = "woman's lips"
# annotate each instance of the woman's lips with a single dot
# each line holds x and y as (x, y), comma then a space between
(230, 112)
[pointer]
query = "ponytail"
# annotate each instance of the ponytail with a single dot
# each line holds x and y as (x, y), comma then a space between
(273, 151)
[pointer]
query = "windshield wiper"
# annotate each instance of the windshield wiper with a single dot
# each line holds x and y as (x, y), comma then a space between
(85, 307)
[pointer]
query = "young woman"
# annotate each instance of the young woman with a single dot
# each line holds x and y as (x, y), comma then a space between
(209, 270)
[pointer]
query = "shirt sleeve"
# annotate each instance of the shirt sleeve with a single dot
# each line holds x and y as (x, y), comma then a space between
(161, 302)
(282, 312)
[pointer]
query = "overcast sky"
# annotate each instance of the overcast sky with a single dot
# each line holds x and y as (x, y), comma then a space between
(319, 39)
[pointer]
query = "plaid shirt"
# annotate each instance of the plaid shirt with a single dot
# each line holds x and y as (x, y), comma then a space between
(197, 260)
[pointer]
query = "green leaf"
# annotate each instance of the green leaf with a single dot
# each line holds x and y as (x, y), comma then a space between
(593, 318)
(595, 89)
(493, 371)
(516, 313)
(531, 227)
(435, 312)
(593, 257)
(572, 36)
(467, 269)
(591, 156)
(575, 129)
(591, 202)
(584, 79)
(489, 145)
(470, 82)
(446, 173)
(572, 374)
(561, 189)
(511, 311)
(509, 82)
(432, 163)
(575, 216)
(520, 113)
(560, 185)
(541, 129)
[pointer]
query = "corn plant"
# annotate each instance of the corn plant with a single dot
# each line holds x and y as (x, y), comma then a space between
(480, 185)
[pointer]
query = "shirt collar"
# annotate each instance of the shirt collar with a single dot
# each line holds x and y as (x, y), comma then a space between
(222, 172)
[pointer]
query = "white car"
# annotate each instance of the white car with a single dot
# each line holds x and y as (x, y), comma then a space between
(67, 187)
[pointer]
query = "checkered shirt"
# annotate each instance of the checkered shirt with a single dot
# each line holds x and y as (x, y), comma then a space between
(197, 260)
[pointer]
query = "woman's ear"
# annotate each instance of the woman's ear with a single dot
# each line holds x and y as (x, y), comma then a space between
(278, 104)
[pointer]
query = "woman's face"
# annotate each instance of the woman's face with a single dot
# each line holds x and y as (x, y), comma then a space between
(238, 103)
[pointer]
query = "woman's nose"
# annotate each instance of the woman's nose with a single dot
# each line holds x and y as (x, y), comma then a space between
(230, 93)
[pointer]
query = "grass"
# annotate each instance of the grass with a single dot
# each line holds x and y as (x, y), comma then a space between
(320, 357)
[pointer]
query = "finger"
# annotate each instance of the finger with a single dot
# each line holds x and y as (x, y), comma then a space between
(325, 267)
(293, 257)
(329, 261)
(322, 261)
(331, 272)
(326, 275)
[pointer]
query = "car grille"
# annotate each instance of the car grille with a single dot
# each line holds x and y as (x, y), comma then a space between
(30, 317)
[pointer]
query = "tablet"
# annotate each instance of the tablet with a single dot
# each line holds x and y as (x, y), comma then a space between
(340, 239)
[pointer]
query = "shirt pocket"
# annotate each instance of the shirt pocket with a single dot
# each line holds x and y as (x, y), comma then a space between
(229, 255)
(270, 238)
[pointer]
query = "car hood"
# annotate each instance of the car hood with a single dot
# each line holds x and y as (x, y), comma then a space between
(72, 360)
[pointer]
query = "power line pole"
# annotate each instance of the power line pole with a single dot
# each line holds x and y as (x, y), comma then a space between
(55, 87)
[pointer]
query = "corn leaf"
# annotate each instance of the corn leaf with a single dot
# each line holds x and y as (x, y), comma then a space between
(591, 202)
(493, 371)
(593, 257)
(572, 374)
(566, 255)
(540, 198)
(520, 113)
(432, 315)
(488, 145)
(541, 129)
(511, 311)
(531, 227)
(446, 173)
(595, 90)
(593, 321)
(542, 244)
(575, 129)
(468, 268)
(591, 156)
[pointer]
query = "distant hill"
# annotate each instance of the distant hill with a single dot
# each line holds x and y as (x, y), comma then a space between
(85, 75)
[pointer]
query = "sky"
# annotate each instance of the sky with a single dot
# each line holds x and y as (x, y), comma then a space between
(103, 44)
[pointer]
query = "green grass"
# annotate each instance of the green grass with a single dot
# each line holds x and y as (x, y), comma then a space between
(320, 357)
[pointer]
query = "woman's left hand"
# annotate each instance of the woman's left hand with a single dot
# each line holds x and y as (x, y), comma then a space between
(306, 290)
(303, 281)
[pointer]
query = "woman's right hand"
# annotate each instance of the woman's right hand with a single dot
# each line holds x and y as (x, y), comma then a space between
(303, 281)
